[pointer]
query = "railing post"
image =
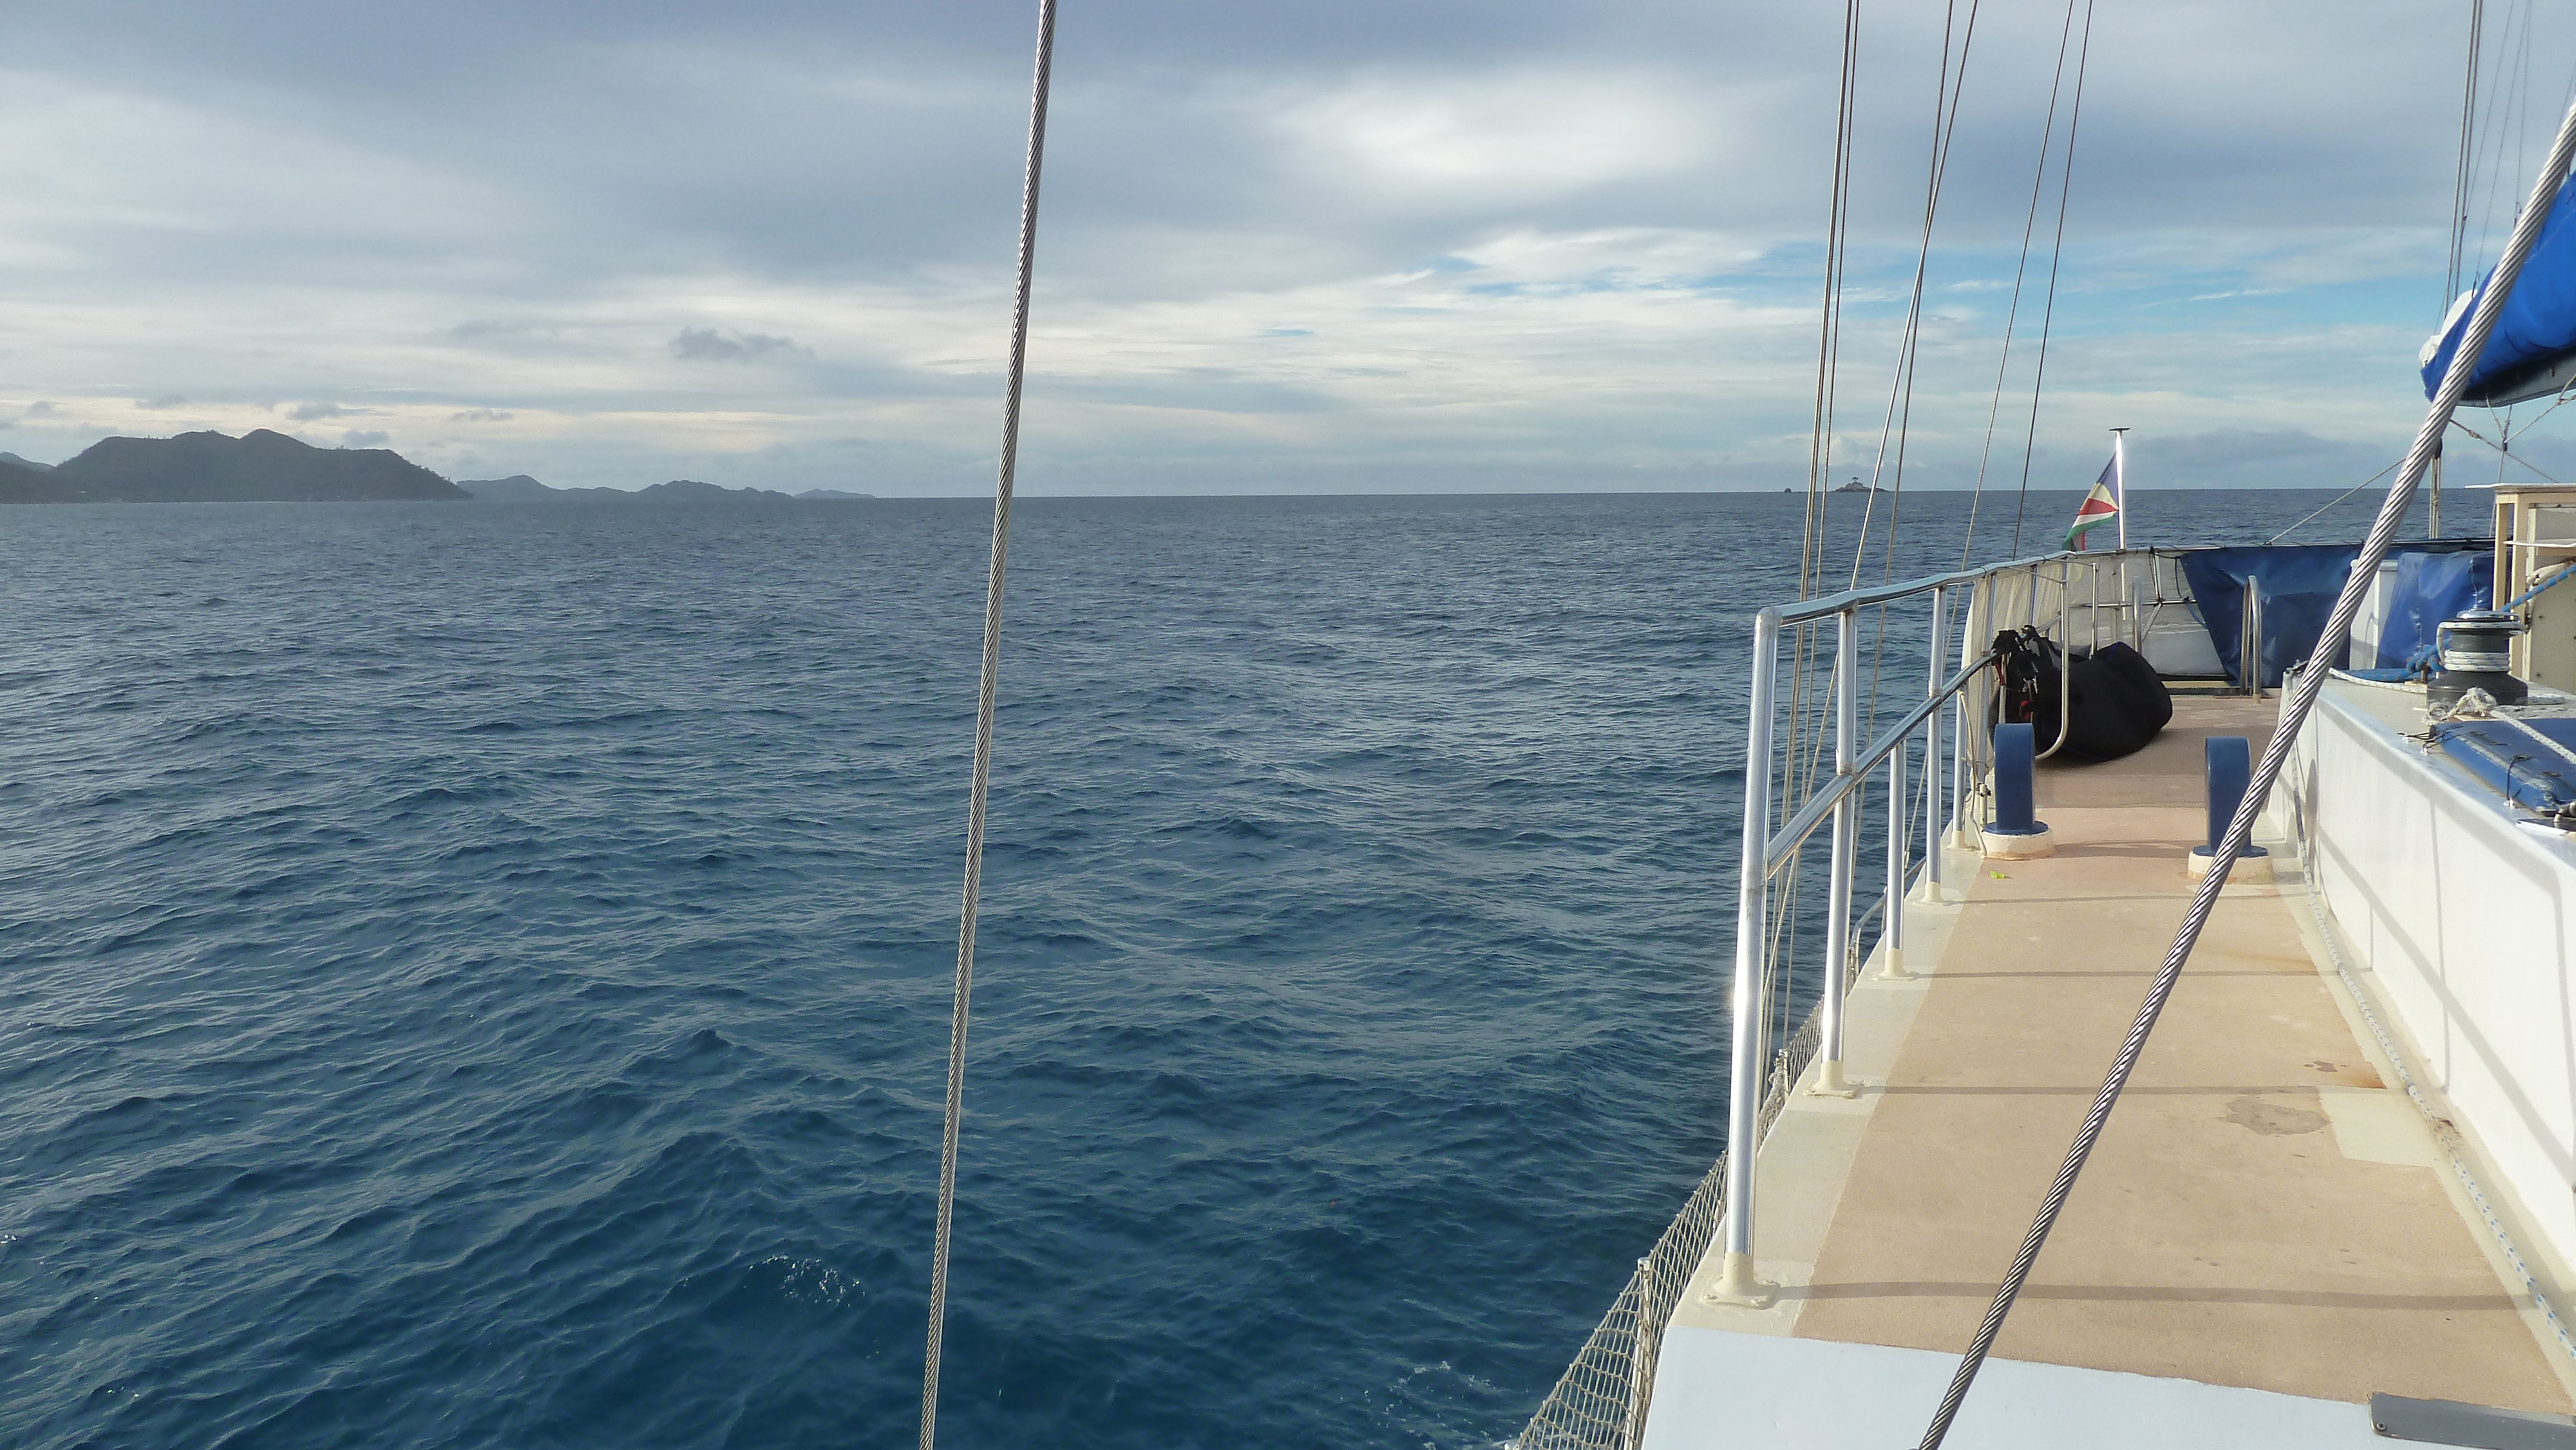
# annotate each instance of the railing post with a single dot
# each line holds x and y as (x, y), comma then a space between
(1846, 846)
(1736, 1282)
(1962, 756)
(1891, 927)
(2093, 615)
(1932, 748)
(2129, 609)
(2066, 657)
(2249, 639)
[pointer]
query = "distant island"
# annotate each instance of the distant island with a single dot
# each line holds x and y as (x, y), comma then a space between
(266, 467)
(520, 488)
(259, 467)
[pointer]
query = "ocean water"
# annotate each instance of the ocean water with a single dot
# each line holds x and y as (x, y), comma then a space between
(477, 975)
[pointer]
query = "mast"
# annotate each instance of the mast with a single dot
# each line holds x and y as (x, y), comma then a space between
(2120, 479)
(2433, 523)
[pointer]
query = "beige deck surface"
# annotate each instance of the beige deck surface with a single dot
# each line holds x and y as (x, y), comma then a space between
(2221, 1232)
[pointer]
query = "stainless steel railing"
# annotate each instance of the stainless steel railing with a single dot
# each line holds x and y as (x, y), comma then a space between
(1832, 665)
(2047, 593)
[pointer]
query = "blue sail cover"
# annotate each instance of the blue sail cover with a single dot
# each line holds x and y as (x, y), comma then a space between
(2538, 325)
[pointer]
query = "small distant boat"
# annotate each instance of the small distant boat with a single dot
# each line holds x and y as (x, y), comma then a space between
(1856, 486)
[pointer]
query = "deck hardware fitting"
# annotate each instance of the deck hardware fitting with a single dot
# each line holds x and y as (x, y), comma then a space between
(2450, 1422)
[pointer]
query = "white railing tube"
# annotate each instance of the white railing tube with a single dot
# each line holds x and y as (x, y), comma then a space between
(1891, 931)
(1932, 748)
(1819, 607)
(1846, 852)
(1736, 1282)
(2093, 615)
(2065, 652)
(1962, 753)
(1785, 841)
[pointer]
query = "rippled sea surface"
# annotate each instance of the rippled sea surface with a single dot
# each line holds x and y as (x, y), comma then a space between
(477, 975)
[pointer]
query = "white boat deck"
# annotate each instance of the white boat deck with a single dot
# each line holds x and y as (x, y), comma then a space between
(2267, 1235)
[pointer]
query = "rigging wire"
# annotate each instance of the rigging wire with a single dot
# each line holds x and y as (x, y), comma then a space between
(2056, 254)
(1945, 125)
(1904, 422)
(2502, 450)
(2330, 503)
(2507, 120)
(1805, 745)
(986, 691)
(2460, 184)
(2012, 315)
(1945, 121)
(2459, 226)
(1820, 443)
(1801, 757)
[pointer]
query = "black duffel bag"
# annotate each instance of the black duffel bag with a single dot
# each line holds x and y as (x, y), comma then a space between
(2115, 703)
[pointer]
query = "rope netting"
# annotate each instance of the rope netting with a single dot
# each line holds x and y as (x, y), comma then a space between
(1600, 1402)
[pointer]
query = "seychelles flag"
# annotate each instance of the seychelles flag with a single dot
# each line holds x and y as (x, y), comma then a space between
(2100, 506)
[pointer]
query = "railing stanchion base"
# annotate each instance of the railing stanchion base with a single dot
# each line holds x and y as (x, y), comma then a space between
(1737, 1286)
(1830, 1082)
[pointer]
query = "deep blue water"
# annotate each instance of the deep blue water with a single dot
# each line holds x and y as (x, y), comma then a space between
(477, 975)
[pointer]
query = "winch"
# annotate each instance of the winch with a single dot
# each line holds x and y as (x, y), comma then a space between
(2476, 653)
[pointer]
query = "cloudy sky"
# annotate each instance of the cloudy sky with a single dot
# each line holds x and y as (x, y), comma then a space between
(1333, 245)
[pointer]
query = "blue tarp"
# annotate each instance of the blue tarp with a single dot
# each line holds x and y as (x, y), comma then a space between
(2519, 768)
(2300, 583)
(2539, 320)
(2431, 588)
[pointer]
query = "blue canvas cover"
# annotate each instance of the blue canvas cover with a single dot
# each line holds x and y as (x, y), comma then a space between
(2431, 588)
(2300, 583)
(2519, 768)
(2538, 324)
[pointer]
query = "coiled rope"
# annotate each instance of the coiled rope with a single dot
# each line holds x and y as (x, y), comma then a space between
(2383, 532)
(984, 728)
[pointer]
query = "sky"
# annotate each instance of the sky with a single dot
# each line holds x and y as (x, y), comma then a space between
(1326, 247)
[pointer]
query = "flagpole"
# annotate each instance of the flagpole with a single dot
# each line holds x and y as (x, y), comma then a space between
(2120, 479)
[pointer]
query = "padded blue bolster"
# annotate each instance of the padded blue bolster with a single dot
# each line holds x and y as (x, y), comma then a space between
(2013, 751)
(2230, 764)
(2517, 767)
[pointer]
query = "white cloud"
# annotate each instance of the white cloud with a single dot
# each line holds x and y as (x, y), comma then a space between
(1392, 242)
(1536, 133)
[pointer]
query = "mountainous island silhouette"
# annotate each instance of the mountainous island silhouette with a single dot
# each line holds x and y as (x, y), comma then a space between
(268, 467)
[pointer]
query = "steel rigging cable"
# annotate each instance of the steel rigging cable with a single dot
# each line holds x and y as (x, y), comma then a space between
(984, 727)
(2012, 315)
(1945, 123)
(2056, 253)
